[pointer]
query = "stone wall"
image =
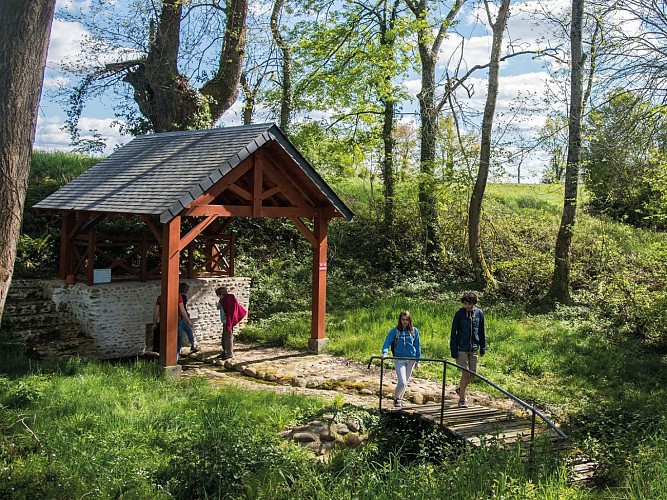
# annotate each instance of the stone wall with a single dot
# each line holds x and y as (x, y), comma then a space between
(115, 317)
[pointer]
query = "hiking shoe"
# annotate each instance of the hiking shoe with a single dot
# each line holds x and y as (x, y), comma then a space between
(195, 349)
(463, 403)
(398, 403)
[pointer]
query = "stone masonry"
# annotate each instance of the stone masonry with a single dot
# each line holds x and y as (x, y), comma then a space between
(113, 318)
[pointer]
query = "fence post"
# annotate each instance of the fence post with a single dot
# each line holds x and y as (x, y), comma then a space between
(442, 392)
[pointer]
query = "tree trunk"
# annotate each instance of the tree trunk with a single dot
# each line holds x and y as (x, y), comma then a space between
(429, 48)
(286, 82)
(223, 89)
(429, 128)
(25, 28)
(560, 283)
(388, 162)
(475, 210)
(164, 96)
(250, 100)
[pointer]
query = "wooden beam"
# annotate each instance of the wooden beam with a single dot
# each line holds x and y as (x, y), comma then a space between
(220, 210)
(290, 192)
(153, 226)
(90, 269)
(239, 191)
(66, 250)
(196, 231)
(171, 238)
(270, 192)
(75, 229)
(319, 303)
(90, 223)
(279, 173)
(257, 180)
(224, 183)
(243, 211)
(304, 230)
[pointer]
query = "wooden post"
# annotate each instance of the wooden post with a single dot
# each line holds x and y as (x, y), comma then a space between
(66, 250)
(92, 247)
(211, 255)
(317, 325)
(171, 238)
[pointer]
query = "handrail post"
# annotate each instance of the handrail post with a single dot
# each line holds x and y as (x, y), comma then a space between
(381, 381)
(535, 412)
(442, 393)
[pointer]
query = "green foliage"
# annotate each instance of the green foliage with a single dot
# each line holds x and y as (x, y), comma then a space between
(648, 472)
(38, 248)
(625, 160)
(48, 172)
(124, 430)
(332, 152)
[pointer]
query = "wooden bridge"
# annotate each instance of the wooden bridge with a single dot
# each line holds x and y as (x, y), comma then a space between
(482, 425)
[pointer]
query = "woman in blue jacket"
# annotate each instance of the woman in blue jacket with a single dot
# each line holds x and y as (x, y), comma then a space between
(405, 340)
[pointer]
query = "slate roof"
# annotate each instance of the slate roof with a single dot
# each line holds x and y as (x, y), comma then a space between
(160, 174)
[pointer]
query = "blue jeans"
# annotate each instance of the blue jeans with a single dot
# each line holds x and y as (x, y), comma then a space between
(403, 371)
(183, 325)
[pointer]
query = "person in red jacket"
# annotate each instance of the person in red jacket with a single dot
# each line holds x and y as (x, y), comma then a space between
(231, 313)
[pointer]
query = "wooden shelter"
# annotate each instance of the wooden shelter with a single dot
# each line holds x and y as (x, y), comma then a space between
(209, 176)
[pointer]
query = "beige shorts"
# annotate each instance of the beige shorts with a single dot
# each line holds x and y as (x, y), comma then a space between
(467, 360)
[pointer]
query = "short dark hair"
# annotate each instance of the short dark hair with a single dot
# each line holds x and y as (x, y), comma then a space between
(469, 297)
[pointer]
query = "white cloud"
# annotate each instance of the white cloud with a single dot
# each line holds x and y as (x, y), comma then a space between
(55, 82)
(65, 42)
(51, 136)
(72, 4)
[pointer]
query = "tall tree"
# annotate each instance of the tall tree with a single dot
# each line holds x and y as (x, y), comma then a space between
(475, 210)
(349, 64)
(25, 28)
(285, 67)
(560, 283)
(429, 47)
(165, 96)
(624, 160)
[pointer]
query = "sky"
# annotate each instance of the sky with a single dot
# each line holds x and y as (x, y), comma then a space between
(523, 81)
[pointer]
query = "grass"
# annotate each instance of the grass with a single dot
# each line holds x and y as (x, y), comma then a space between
(92, 429)
(87, 429)
(122, 430)
(75, 429)
(563, 362)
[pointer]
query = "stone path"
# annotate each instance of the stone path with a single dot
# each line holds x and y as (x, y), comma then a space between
(282, 370)
(289, 371)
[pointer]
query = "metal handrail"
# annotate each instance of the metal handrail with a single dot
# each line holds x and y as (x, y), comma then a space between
(535, 412)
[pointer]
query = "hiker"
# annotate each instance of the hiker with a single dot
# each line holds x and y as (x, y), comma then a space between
(404, 342)
(231, 313)
(156, 326)
(184, 321)
(183, 316)
(467, 341)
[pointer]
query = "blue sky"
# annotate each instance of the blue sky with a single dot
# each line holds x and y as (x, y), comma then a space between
(521, 78)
